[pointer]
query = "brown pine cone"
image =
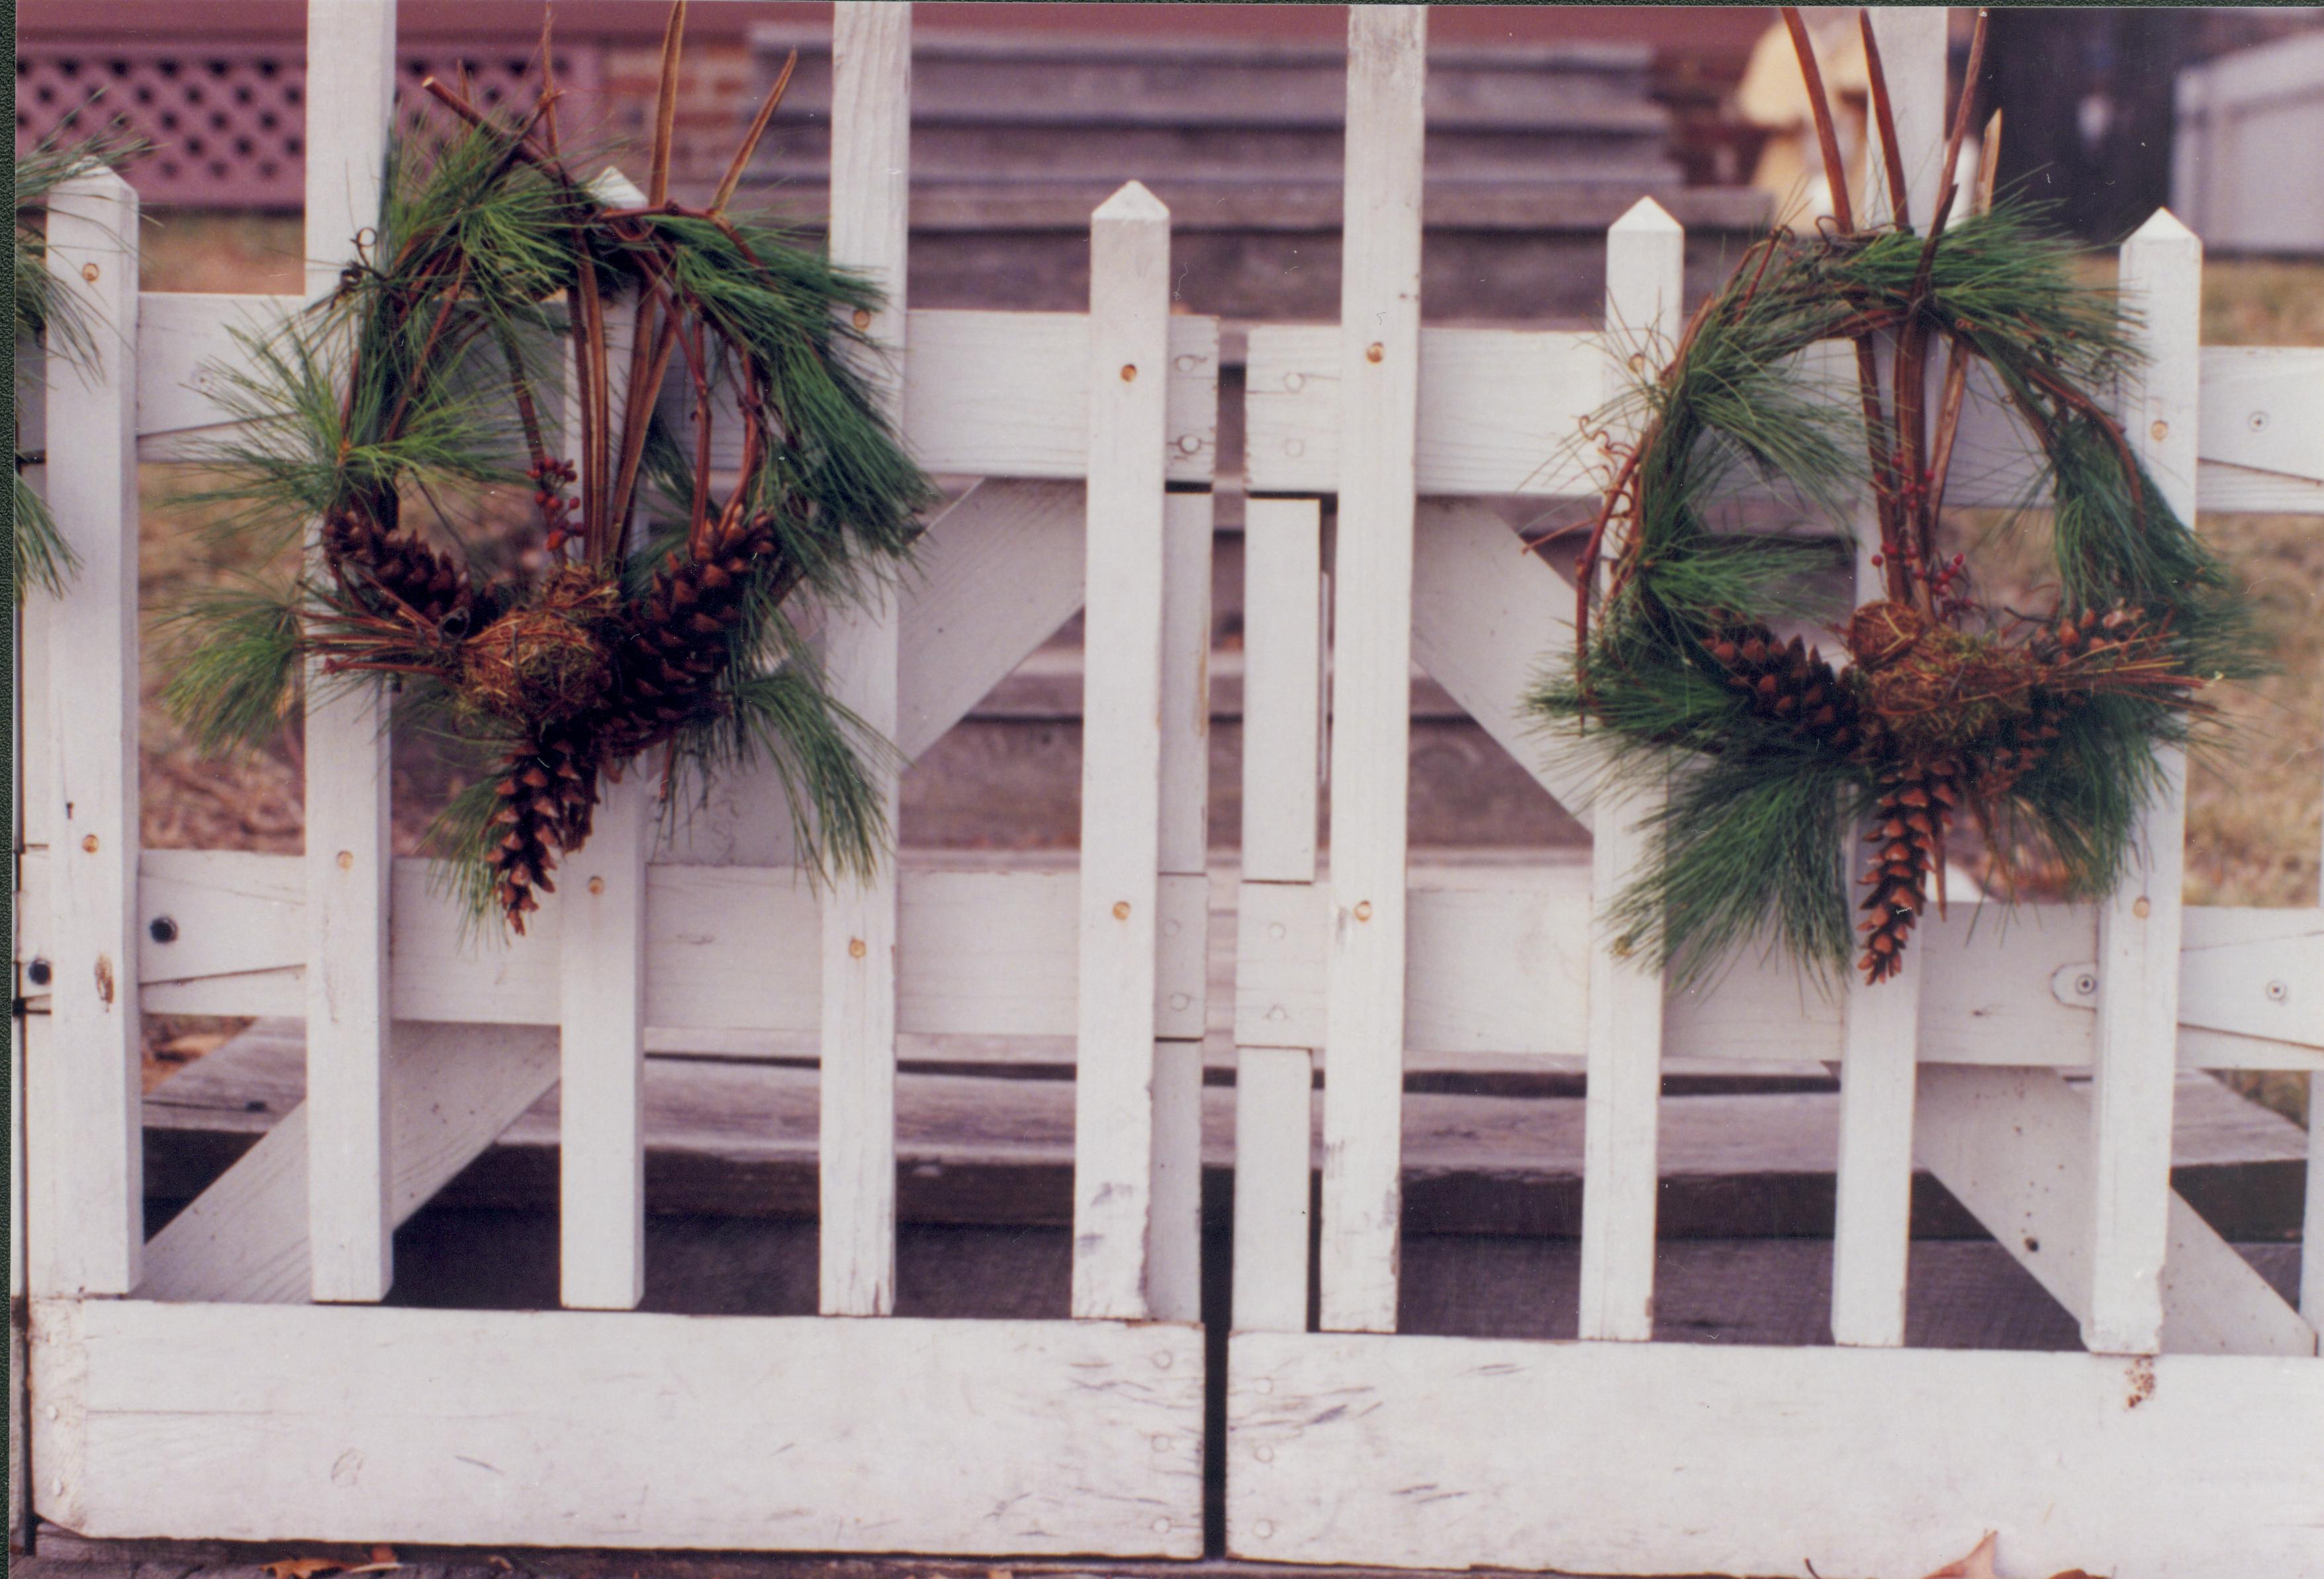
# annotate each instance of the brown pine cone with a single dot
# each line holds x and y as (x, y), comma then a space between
(1788, 683)
(674, 646)
(547, 798)
(2017, 746)
(1916, 813)
(399, 564)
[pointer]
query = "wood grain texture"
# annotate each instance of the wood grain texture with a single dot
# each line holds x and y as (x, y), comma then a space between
(84, 1209)
(1372, 578)
(350, 844)
(2013, 1147)
(1283, 646)
(870, 193)
(602, 998)
(2139, 920)
(1121, 758)
(1645, 265)
(1656, 1458)
(567, 1428)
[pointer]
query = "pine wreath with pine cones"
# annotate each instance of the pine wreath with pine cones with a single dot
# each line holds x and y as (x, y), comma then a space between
(2039, 729)
(657, 610)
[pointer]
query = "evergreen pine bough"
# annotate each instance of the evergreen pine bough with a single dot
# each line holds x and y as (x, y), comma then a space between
(659, 616)
(2039, 729)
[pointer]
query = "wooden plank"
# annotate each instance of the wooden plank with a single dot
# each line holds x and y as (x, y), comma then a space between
(996, 575)
(1646, 264)
(1181, 974)
(1499, 410)
(558, 1428)
(1483, 614)
(601, 1012)
(1679, 1458)
(350, 842)
(2312, 1232)
(1380, 329)
(1880, 1025)
(870, 189)
(244, 1240)
(1282, 645)
(85, 1202)
(2013, 1147)
(1283, 651)
(2139, 922)
(1121, 758)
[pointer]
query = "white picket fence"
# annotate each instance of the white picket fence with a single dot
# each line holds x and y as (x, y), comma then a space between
(234, 1377)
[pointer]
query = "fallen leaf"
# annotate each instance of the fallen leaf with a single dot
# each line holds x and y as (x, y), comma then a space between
(304, 1567)
(1977, 1564)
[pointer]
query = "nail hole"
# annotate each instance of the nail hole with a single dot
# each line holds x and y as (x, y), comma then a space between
(162, 930)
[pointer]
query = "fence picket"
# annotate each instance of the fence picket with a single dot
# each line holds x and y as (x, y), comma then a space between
(1645, 266)
(1121, 757)
(601, 1010)
(350, 91)
(2139, 922)
(1283, 643)
(1379, 369)
(1182, 985)
(870, 186)
(86, 1175)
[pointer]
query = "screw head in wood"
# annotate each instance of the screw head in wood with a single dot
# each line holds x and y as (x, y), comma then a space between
(1129, 372)
(1374, 351)
(1363, 910)
(346, 861)
(2256, 422)
(2141, 909)
(1264, 1454)
(1162, 1359)
(88, 272)
(597, 885)
(862, 319)
(856, 949)
(1162, 1527)
(2277, 991)
(1262, 1529)
(162, 930)
(88, 844)
(2162, 429)
(1121, 910)
(38, 972)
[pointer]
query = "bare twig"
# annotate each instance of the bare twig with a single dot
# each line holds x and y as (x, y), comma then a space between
(750, 139)
(1883, 110)
(666, 104)
(1826, 137)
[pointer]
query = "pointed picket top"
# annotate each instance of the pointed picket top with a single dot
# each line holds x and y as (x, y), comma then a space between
(1133, 201)
(1647, 217)
(2165, 226)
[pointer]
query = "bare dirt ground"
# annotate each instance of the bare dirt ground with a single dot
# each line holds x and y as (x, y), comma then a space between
(2254, 804)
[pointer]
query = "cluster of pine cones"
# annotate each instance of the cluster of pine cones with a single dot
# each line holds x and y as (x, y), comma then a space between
(1790, 683)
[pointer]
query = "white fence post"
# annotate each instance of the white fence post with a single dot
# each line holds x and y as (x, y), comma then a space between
(87, 1165)
(351, 1222)
(1371, 689)
(870, 189)
(1122, 756)
(601, 917)
(2136, 1061)
(1282, 679)
(1646, 276)
(1880, 1052)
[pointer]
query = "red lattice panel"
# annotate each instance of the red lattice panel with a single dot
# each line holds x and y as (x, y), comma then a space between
(227, 121)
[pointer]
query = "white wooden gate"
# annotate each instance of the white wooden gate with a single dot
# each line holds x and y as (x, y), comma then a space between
(235, 1376)
(2189, 1441)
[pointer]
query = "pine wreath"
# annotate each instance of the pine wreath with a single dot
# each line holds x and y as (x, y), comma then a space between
(658, 611)
(2040, 727)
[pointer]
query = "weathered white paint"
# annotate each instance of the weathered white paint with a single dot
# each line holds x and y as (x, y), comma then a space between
(350, 845)
(1379, 372)
(601, 1012)
(1121, 757)
(1181, 974)
(2139, 920)
(87, 1176)
(1659, 1458)
(564, 1428)
(2013, 1146)
(871, 191)
(1646, 271)
(1501, 411)
(1282, 667)
(457, 1088)
(1274, 1115)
